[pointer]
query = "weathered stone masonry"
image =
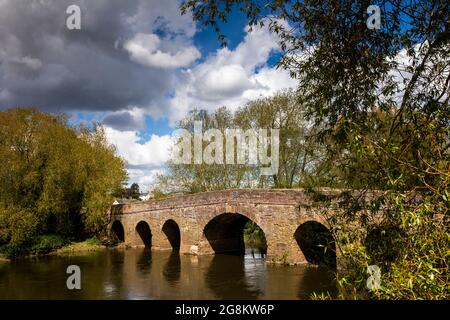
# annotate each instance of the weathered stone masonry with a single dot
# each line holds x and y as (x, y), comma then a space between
(213, 221)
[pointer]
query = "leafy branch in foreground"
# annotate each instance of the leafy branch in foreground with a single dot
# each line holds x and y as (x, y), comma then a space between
(380, 99)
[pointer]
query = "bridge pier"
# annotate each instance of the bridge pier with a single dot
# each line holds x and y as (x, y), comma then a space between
(282, 246)
(285, 253)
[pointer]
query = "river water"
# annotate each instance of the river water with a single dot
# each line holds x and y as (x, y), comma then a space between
(140, 273)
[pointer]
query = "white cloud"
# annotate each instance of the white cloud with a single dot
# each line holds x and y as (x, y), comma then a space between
(144, 159)
(150, 154)
(227, 77)
(146, 49)
(427, 81)
(267, 82)
(230, 77)
(145, 178)
(225, 81)
(31, 63)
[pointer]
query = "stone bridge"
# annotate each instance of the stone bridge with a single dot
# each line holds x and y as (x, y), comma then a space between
(213, 222)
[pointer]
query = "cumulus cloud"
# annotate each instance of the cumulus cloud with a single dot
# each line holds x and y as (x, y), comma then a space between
(147, 50)
(150, 154)
(126, 120)
(145, 159)
(225, 81)
(44, 64)
(231, 77)
(145, 178)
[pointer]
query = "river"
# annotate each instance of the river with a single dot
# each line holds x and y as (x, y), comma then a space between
(138, 273)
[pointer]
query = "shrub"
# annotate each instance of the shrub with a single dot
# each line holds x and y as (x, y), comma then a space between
(94, 241)
(17, 230)
(47, 243)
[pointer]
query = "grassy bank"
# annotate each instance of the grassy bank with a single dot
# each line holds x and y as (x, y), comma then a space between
(52, 244)
(92, 244)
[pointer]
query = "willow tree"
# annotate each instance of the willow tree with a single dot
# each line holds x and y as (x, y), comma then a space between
(54, 179)
(301, 157)
(198, 177)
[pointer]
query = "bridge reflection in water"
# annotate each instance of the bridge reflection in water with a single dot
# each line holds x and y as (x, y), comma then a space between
(140, 273)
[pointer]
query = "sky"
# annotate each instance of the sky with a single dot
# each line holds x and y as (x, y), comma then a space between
(136, 66)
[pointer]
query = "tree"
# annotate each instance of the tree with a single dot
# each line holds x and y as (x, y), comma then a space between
(301, 156)
(134, 191)
(380, 98)
(203, 177)
(55, 179)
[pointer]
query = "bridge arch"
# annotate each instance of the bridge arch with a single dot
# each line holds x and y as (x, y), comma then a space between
(225, 232)
(118, 231)
(172, 231)
(144, 232)
(316, 243)
(278, 212)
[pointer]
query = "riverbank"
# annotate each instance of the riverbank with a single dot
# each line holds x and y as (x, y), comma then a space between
(89, 245)
(49, 247)
(3, 258)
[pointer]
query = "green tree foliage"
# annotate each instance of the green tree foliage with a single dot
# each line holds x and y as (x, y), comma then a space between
(54, 179)
(254, 236)
(301, 156)
(18, 228)
(134, 191)
(47, 243)
(203, 177)
(380, 98)
(301, 162)
(344, 68)
(131, 192)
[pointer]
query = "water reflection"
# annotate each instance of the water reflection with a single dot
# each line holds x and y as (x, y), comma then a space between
(145, 274)
(144, 263)
(172, 268)
(317, 280)
(255, 268)
(236, 276)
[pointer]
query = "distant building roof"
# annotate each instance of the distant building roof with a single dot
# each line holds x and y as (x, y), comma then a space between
(144, 196)
(120, 201)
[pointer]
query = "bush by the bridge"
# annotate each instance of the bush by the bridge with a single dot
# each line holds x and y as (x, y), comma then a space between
(47, 243)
